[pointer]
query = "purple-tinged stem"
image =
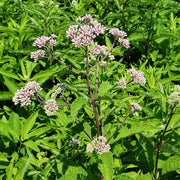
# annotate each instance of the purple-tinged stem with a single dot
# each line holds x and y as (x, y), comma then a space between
(160, 142)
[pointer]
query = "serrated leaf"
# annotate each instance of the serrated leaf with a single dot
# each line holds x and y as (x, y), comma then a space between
(38, 132)
(28, 125)
(171, 164)
(104, 87)
(124, 177)
(9, 74)
(106, 165)
(136, 37)
(10, 84)
(22, 169)
(77, 106)
(31, 144)
(169, 149)
(43, 74)
(48, 146)
(9, 170)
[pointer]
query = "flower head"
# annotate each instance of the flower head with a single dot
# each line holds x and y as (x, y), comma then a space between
(99, 145)
(43, 41)
(84, 34)
(23, 95)
(123, 83)
(137, 76)
(117, 32)
(50, 107)
(37, 54)
(124, 42)
(135, 106)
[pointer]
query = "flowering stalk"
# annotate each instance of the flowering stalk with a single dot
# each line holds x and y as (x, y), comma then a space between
(93, 101)
(160, 142)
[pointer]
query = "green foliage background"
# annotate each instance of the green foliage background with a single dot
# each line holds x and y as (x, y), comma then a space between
(34, 146)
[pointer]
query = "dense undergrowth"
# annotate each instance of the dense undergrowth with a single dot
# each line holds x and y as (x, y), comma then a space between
(91, 102)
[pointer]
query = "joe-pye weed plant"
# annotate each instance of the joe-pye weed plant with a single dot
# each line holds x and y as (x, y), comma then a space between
(95, 108)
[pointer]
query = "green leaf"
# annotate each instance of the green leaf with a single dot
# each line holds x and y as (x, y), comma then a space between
(136, 37)
(31, 144)
(63, 118)
(24, 163)
(169, 149)
(5, 131)
(124, 177)
(77, 105)
(4, 96)
(9, 170)
(10, 84)
(104, 87)
(135, 127)
(43, 74)
(48, 146)
(23, 69)
(9, 74)
(29, 67)
(15, 126)
(106, 165)
(108, 42)
(38, 132)
(28, 125)
(4, 157)
(171, 164)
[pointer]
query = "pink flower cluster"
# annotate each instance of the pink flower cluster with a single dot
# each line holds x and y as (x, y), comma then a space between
(85, 34)
(44, 40)
(137, 76)
(23, 95)
(99, 145)
(50, 107)
(120, 34)
(123, 83)
(97, 49)
(37, 54)
(134, 106)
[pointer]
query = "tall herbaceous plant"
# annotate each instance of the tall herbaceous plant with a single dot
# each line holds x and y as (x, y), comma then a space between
(96, 113)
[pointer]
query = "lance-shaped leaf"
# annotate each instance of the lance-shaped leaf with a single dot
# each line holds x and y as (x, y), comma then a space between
(77, 105)
(106, 165)
(28, 125)
(103, 89)
(9, 74)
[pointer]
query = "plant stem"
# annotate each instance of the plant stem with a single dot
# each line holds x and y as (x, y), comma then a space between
(118, 128)
(93, 101)
(101, 176)
(160, 142)
(96, 82)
